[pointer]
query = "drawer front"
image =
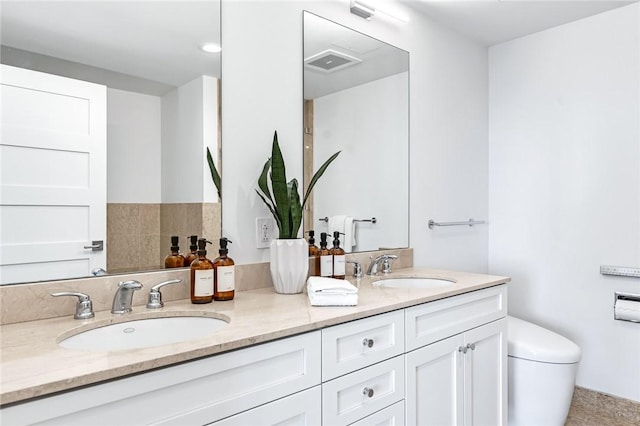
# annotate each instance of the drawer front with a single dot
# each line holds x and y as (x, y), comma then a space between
(196, 392)
(354, 396)
(301, 409)
(438, 320)
(351, 346)
(390, 416)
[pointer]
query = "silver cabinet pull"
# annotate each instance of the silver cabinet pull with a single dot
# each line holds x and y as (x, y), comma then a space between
(368, 343)
(84, 307)
(463, 349)
(368, 392)
(471, 346)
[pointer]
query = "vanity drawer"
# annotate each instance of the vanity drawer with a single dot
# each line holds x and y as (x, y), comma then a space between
(354, 396)
(390, 416)
(440, 319)
(351, 346)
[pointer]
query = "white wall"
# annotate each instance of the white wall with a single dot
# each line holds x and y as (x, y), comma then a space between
(372, 132)
(133, 147)
(565, 185)
(189, 125)
(262, 92)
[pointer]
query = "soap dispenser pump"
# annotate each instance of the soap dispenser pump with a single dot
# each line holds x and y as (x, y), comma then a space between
(193, 251)
(174, 259)
(202, 275)
(339, 264)
(325, 259)
(313, 248)
(224, 278)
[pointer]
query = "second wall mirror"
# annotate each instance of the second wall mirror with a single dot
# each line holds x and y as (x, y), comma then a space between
(356, 100)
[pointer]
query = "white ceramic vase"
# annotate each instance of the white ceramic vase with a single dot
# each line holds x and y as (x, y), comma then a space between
(289, 265)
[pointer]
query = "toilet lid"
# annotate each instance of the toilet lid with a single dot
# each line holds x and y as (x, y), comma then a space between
(532, 342)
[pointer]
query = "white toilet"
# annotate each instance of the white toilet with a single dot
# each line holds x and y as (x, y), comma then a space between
(542, 372)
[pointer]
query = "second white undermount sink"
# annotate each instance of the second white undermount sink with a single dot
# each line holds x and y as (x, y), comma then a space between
(143, 333)
(413, 282)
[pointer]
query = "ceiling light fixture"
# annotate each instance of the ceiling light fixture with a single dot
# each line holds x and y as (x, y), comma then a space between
(362, 10)
(378, 7)
(211, 47)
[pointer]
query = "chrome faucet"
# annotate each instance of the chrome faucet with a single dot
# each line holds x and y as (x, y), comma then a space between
(84, 307)
(124, 296)
(384, 260)
(155, 296)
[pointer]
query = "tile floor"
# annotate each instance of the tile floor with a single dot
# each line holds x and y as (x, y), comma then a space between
(590, 408)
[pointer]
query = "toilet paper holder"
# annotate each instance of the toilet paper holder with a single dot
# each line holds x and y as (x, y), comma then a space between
(627, 297)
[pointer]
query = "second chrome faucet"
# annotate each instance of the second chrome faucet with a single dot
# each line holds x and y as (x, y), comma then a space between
(124, 296)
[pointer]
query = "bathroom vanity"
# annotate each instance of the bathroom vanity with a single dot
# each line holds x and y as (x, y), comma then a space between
(403, 355)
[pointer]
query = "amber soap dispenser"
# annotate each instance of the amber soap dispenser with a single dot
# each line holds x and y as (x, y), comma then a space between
(175, 259)
(324, 261)
(202, 275)
(224, 279)
(193, 251)
(339, 265)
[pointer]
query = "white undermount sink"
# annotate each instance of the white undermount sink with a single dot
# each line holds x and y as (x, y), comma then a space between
(413, 282)
(143, 333)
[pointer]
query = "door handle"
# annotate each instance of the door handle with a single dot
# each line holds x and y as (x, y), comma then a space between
(96, 245)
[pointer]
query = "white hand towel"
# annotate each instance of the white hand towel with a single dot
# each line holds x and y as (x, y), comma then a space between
(330, 286)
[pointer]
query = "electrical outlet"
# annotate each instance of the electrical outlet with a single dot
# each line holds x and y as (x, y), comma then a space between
(264, 231)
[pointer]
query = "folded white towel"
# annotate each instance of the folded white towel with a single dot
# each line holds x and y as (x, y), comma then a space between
(330, 286)
(319, 299)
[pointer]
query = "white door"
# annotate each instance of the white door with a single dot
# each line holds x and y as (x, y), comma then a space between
(52, 176)
(435, 383)
(485, 365)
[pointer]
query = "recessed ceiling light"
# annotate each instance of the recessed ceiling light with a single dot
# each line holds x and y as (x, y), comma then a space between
(211, 47)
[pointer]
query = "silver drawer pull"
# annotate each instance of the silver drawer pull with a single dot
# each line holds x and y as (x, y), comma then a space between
(471, 346)
(368, 343)
(367, 392)
(463, 349)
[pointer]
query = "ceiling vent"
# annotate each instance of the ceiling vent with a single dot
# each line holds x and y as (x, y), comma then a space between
(330, 61)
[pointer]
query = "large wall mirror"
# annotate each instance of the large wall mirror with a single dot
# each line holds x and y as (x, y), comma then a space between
(162, 113)
(356, 100)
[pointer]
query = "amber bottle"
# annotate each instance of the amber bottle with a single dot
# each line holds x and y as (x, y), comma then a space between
(175, 259)
(202, 276)
(324, 260)
(224, 275)
(314, 253)
(193, 251)
(339, 261)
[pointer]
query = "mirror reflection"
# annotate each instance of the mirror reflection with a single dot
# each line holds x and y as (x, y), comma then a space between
(356, 99)
(149, 180)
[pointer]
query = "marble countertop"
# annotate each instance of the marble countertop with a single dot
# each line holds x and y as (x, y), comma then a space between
(32, 364)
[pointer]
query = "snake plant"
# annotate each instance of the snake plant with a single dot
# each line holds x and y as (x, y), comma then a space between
(283, 198)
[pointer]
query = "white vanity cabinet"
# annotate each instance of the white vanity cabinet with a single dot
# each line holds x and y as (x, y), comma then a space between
(457, 364)
(194, 393)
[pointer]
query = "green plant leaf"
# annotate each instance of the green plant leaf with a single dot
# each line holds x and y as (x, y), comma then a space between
(318, 175)
(215, 176)
(279, 186)
(296, 208)
(262, 181)
(273, 212)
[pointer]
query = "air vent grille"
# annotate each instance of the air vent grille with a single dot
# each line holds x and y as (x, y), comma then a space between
(330, 61)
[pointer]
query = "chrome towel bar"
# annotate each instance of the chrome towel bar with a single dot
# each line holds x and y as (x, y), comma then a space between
(372, 220)
(470, 222)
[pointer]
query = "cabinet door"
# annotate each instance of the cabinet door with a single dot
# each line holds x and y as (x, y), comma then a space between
(301, 409)
(435, 380)
(485, 365)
